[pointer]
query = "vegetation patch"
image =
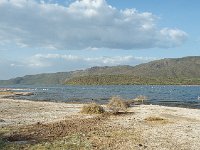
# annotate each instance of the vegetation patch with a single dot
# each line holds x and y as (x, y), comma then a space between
(2, 144)
(114, 138)
(53, 131)
(124, 79)
(153, 119)
(6, 92)
(92, 108)
(117, 104)
(73, 142)
(86, 136)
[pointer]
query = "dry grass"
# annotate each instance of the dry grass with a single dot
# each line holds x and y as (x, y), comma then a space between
(117, 104)
(52, 131)
(54, 136)
(154, 119)
(5, 93)
(73, 142)
(92, 108)
(93, 133)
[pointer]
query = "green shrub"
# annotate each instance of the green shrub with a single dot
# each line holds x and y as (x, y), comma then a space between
(92, 108)
(117, 104)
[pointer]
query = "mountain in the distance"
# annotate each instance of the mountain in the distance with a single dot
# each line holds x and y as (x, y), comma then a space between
(187, 67)
(165, 71)
(39, 79)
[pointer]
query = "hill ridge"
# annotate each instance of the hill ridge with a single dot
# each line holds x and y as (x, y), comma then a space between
(169, 69)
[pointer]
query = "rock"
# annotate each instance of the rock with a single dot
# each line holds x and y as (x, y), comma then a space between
(1, 120)
(23, 93)
(140, 145)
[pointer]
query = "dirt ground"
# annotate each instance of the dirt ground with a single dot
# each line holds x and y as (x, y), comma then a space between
(146, 127)
(24, 112)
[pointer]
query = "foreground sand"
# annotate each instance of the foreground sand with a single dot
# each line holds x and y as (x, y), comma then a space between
(24, 112)
(142, 127)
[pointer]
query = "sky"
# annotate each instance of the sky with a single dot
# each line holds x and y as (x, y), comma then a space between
(46, 36)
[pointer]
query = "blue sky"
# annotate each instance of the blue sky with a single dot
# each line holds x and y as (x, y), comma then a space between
(55, 36)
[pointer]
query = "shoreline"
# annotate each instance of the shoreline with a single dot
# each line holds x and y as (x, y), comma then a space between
(14, 97)
(68, 109)
(142, 127)
(162, 96)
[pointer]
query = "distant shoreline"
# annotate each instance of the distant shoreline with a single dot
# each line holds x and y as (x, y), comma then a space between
(155, 98)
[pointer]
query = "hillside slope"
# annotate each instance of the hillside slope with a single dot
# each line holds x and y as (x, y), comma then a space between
(165, 71)
(187, 67)
(44, 79)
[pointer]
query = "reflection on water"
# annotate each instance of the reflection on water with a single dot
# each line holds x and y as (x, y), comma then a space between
(185, 96)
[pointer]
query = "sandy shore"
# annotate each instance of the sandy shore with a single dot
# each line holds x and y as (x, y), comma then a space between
(142, 127)
(24, 112)
(163, 127)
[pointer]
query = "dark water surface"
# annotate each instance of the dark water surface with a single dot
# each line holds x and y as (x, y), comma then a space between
(183, 96)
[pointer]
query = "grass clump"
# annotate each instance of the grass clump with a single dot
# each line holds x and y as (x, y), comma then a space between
(77, 141)
(154, 119)
(6, 92)
(92, 108)
(117, 104)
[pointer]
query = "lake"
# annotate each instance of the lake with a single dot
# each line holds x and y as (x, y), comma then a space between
(183, 96)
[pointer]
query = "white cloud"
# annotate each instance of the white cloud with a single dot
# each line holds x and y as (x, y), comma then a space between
(52, 60)
(81, 25)
(173, 37)
(49, 63)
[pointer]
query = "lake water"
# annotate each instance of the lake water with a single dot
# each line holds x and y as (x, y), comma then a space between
(183, 96)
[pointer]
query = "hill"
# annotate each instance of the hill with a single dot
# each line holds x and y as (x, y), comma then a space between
(44, 79)
(165, 71)
(187, 67)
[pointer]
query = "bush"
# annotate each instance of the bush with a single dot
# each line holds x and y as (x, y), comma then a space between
(117, 104)
(92, 108)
